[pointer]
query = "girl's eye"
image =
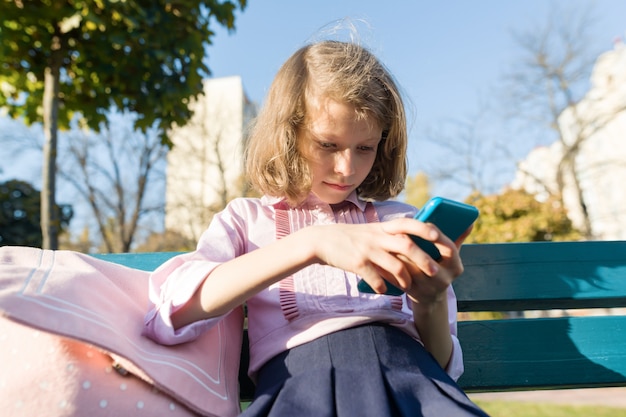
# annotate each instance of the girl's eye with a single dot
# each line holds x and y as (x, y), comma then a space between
(326, 145)
(366, 148)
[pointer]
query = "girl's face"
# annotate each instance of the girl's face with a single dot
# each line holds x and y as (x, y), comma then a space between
(339, 147)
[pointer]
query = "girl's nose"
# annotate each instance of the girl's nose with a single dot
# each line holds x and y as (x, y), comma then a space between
(344, 163)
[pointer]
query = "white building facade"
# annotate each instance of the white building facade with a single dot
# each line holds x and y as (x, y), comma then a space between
(600, 117)
(205, 166)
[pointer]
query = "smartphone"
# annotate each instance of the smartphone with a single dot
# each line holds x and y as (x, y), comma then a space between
(453, 218)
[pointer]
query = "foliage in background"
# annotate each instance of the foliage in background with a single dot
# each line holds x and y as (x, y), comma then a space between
(546, 91)
(146, 57)
(77, 58)
(512, 216)
(81, 242)
(417, 190)
(517, 216)
(19, 214)
(168, 241)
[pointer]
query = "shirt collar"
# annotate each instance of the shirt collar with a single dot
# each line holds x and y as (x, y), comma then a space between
(313, 201)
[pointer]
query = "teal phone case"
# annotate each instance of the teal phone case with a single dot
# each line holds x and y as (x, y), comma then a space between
(451, 217)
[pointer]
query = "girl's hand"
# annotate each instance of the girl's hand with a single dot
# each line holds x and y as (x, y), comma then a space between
(431, 288)
(381, 250)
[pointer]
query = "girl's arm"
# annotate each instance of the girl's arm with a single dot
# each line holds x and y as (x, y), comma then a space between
(369, 250)
(432, 324)
(233, 282)
(429, 296)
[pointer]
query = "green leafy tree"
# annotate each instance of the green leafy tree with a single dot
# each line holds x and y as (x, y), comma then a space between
(517, 216)
(78, 58)
(19, 214)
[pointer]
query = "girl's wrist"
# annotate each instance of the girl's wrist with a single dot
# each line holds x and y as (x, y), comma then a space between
(429, 301)
(427, 308)
(308, 241)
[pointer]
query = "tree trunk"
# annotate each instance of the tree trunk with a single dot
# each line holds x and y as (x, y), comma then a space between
(567, 167)
(586, 226)
(50, 222)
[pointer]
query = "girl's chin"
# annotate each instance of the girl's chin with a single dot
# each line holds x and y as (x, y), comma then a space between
(333, 197)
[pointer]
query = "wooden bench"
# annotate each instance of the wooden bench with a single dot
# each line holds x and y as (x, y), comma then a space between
(516, 353)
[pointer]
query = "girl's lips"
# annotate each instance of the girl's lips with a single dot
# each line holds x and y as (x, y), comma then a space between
(340, 187)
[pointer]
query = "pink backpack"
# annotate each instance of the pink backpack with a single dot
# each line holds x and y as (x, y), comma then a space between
(71, 344)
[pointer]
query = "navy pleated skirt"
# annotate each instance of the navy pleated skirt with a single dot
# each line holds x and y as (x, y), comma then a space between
(366, 371)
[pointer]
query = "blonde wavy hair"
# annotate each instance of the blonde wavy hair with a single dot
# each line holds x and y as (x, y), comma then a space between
(342, 71)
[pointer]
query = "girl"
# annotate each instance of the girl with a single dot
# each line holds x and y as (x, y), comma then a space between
(327, 150)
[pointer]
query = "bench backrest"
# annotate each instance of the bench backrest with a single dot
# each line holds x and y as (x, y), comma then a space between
(571, 351)
(524, 353)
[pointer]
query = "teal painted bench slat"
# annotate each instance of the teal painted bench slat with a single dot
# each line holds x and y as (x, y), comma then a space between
(567, 352)
(148, 261)
(524, 353)
(542, 275)
(563, 352)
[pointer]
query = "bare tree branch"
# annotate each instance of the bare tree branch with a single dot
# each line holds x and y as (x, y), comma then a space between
(546, 88)
(113, 172)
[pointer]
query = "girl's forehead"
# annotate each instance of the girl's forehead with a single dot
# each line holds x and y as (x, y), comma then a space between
(336, 119)
(320, 109)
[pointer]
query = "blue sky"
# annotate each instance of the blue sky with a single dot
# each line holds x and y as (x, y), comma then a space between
(446, 54)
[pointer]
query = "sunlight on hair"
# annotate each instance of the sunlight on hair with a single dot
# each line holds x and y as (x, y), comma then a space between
(358, 31)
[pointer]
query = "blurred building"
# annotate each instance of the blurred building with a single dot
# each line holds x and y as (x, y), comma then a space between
(205, 166)
(601, 162)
